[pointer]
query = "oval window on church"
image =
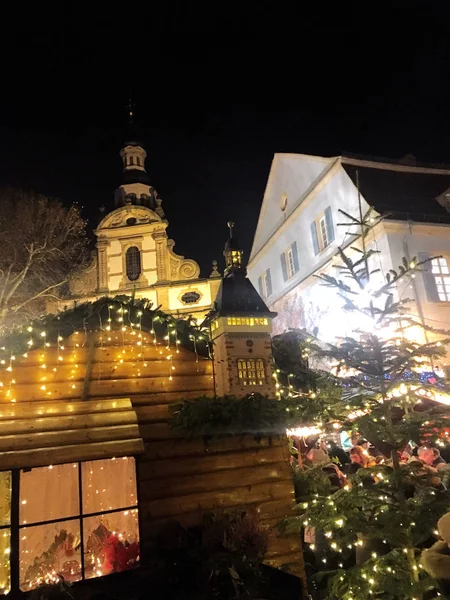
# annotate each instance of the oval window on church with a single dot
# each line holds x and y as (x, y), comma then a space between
(133, 263)
(190, 297)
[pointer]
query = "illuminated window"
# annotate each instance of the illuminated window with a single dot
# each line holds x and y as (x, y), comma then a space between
(250, 321)
(251, 371)
(5, 531)
(133, 263)
(190, 297)
(236, 258)
(439, 268)
(78, 538)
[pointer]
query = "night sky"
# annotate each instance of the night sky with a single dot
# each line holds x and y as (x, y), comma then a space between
(217, 92)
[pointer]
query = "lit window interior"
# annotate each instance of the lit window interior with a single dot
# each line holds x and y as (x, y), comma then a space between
(439, 268)
(58, 537)
(251, 371)
(5, 532)
(250, 321)
(236, 257)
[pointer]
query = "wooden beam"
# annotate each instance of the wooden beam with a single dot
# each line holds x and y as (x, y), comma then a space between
(89, 363)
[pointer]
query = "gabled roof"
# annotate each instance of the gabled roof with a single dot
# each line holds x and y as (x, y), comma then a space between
(292, 178)
(399, 191)
(238, 297)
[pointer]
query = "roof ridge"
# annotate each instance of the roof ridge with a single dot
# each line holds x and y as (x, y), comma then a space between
(388, 164)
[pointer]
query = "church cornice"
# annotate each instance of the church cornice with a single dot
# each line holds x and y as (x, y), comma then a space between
(120, 217)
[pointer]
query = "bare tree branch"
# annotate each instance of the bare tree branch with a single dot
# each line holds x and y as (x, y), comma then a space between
(42, 242)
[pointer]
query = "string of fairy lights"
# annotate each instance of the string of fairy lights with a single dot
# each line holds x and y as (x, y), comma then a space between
(378, 564)
(122, 331)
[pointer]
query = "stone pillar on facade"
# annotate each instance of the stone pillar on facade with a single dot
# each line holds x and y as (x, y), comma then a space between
(102, 266)
(160, 238)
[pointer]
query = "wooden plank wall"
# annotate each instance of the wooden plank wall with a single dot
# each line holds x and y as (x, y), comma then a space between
(179, 480)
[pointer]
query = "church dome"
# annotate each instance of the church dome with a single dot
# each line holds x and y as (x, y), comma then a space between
(232, 244)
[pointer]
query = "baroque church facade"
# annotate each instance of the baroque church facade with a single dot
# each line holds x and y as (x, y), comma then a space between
(135, 255)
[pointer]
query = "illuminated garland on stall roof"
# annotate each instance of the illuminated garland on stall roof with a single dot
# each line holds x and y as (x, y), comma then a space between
(122, 321)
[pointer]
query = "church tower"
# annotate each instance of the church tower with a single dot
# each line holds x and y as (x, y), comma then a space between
(135, 188)
(135, 255)
(240, 328)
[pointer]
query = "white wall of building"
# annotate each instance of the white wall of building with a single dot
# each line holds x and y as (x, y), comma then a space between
(302, 301)
(338, 193)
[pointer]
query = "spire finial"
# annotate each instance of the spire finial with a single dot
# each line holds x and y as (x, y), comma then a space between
(130, 110)
(230, 226)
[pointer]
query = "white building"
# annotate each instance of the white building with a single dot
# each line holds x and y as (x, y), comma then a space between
(297, 236)
(134, 254)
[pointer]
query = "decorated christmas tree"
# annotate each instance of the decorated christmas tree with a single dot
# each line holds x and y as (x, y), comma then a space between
(388, 391)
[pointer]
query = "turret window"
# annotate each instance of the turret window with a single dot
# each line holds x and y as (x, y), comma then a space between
(138, 161)
(251, 371)
(248, 321)
(133, 263)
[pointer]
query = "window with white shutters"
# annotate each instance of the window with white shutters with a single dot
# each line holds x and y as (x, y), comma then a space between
(440, 271)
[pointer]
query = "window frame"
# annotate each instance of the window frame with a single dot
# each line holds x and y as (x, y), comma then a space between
(191, 293)
(439, 277)
(324, 243)
(264, 284)
(8, 527)
(15, 526)
(290, 266)
(136, 257)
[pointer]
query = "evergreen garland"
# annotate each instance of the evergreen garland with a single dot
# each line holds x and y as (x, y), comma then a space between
(93, 316)
(254, 414)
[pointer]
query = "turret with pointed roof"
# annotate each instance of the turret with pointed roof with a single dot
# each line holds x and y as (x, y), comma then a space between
(240, 328)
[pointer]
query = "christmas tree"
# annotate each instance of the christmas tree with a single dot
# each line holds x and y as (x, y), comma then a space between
(386, 390)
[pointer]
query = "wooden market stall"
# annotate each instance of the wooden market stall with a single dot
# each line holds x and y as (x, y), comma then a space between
(88, 459)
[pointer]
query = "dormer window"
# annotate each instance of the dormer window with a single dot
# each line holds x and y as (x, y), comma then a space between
(133, 263)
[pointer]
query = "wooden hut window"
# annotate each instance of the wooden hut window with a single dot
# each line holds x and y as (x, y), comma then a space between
(251, 371)
(133, 263)
(77, 520)
(5, 531)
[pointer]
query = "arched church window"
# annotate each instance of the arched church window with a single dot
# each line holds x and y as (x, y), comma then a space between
(133, 263)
